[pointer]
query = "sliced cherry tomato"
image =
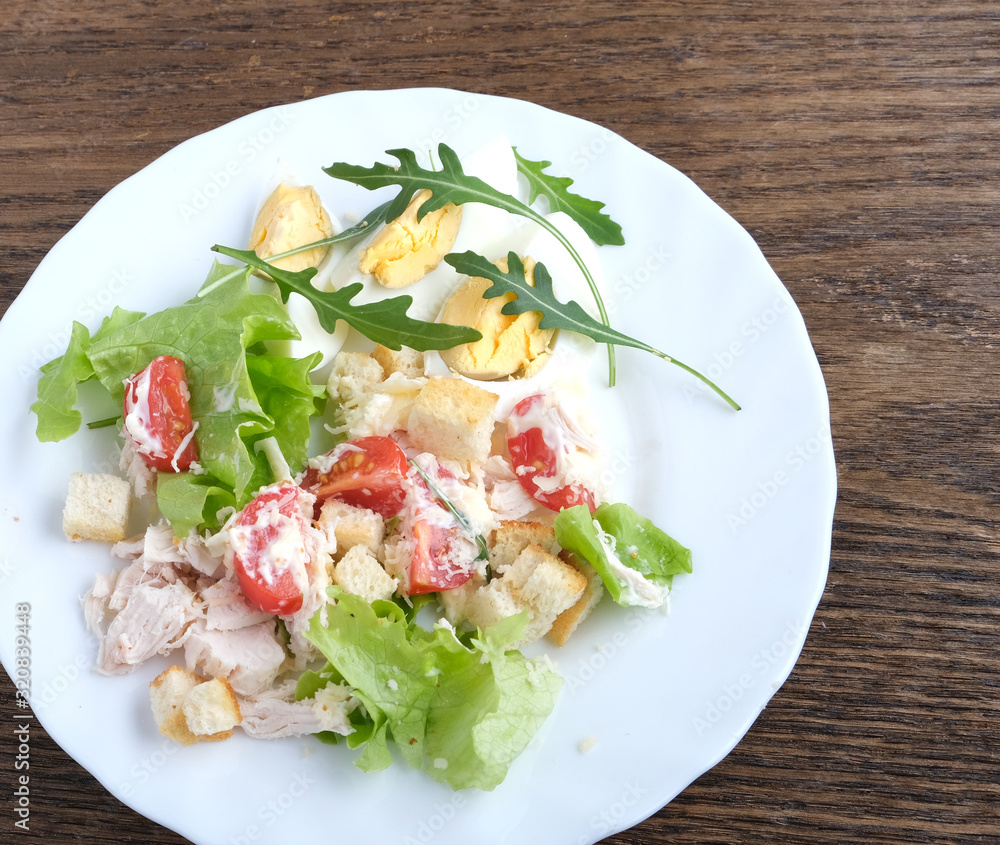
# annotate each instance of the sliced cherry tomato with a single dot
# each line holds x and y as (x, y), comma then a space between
(430, 570)
(269, 550)
(158, 415)
(369, 472)
(534, 458)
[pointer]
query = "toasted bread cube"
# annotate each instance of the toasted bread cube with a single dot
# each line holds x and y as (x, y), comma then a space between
(513, 537)
(524, 564)
(166, 696)
(546, 585)
(350, 526)
(211, 710)
(360, 574)
(491, 603)
(455, 602)
(553, 586)
(453, 419)
(569, 620)
(97, 507)
(408, 362)
(353, 374)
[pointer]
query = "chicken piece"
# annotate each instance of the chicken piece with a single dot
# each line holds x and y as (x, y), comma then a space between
(249, 658)
(150, 623)
(227, 608)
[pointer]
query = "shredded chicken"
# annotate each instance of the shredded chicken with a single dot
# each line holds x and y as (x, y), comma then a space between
(249, 658)
(275, 714)
(143, 478)
(227, 609)
(150, 623)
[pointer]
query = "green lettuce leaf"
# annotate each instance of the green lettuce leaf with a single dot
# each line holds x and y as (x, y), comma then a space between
(57, 389)
(237, 396)
(461, 710)
(615, 539)
(288, 396)
(210, 335)
(189, 501)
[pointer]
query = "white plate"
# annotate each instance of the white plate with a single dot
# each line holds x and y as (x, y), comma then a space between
(661, 698)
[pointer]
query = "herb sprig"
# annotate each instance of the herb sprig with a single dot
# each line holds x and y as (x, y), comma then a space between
(451, 184)
(555, 314)
(598, 225)
(386, 321)
(461, 518)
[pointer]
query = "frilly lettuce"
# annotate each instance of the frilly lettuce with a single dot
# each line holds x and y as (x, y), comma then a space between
(460, 707)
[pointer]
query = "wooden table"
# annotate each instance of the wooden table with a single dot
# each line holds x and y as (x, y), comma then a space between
(857, 142)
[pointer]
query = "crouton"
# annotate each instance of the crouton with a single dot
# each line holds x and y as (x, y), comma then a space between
(189, 708)
(537, 581)
(546, 585)
(348, 526)
(352, 376)
(553, 585)
(568, 621)
(166, 696)
(408, 362)
(491, 603)
(360, 574)
(513, 537)
(455, 602)
(453, 419)
(211, 710)
(97, 507)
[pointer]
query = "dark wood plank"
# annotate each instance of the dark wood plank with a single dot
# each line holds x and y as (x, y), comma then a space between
(856, 141)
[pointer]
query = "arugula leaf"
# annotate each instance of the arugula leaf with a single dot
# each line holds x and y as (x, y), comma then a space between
(555, 314)
(452, 184)
(362, 227)
(587, 212)
(385, 321)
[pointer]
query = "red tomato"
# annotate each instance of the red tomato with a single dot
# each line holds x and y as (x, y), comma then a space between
(429, 571)
(271, 578)
(370, 473)
(533, 457)
(158, 416)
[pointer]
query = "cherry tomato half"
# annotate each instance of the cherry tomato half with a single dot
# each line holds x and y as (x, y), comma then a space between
(269, 550)
(430, 570)
(158, 415)
(535, 458)
(369, 472)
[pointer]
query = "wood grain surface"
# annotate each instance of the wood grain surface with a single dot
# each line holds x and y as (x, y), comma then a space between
(856, 141)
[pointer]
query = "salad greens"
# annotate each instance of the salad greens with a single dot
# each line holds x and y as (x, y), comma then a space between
(615, 536)
(452, 184)
(587, 212)
(460, 707)
(555, 314)
(237, 396)
(385, 321)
